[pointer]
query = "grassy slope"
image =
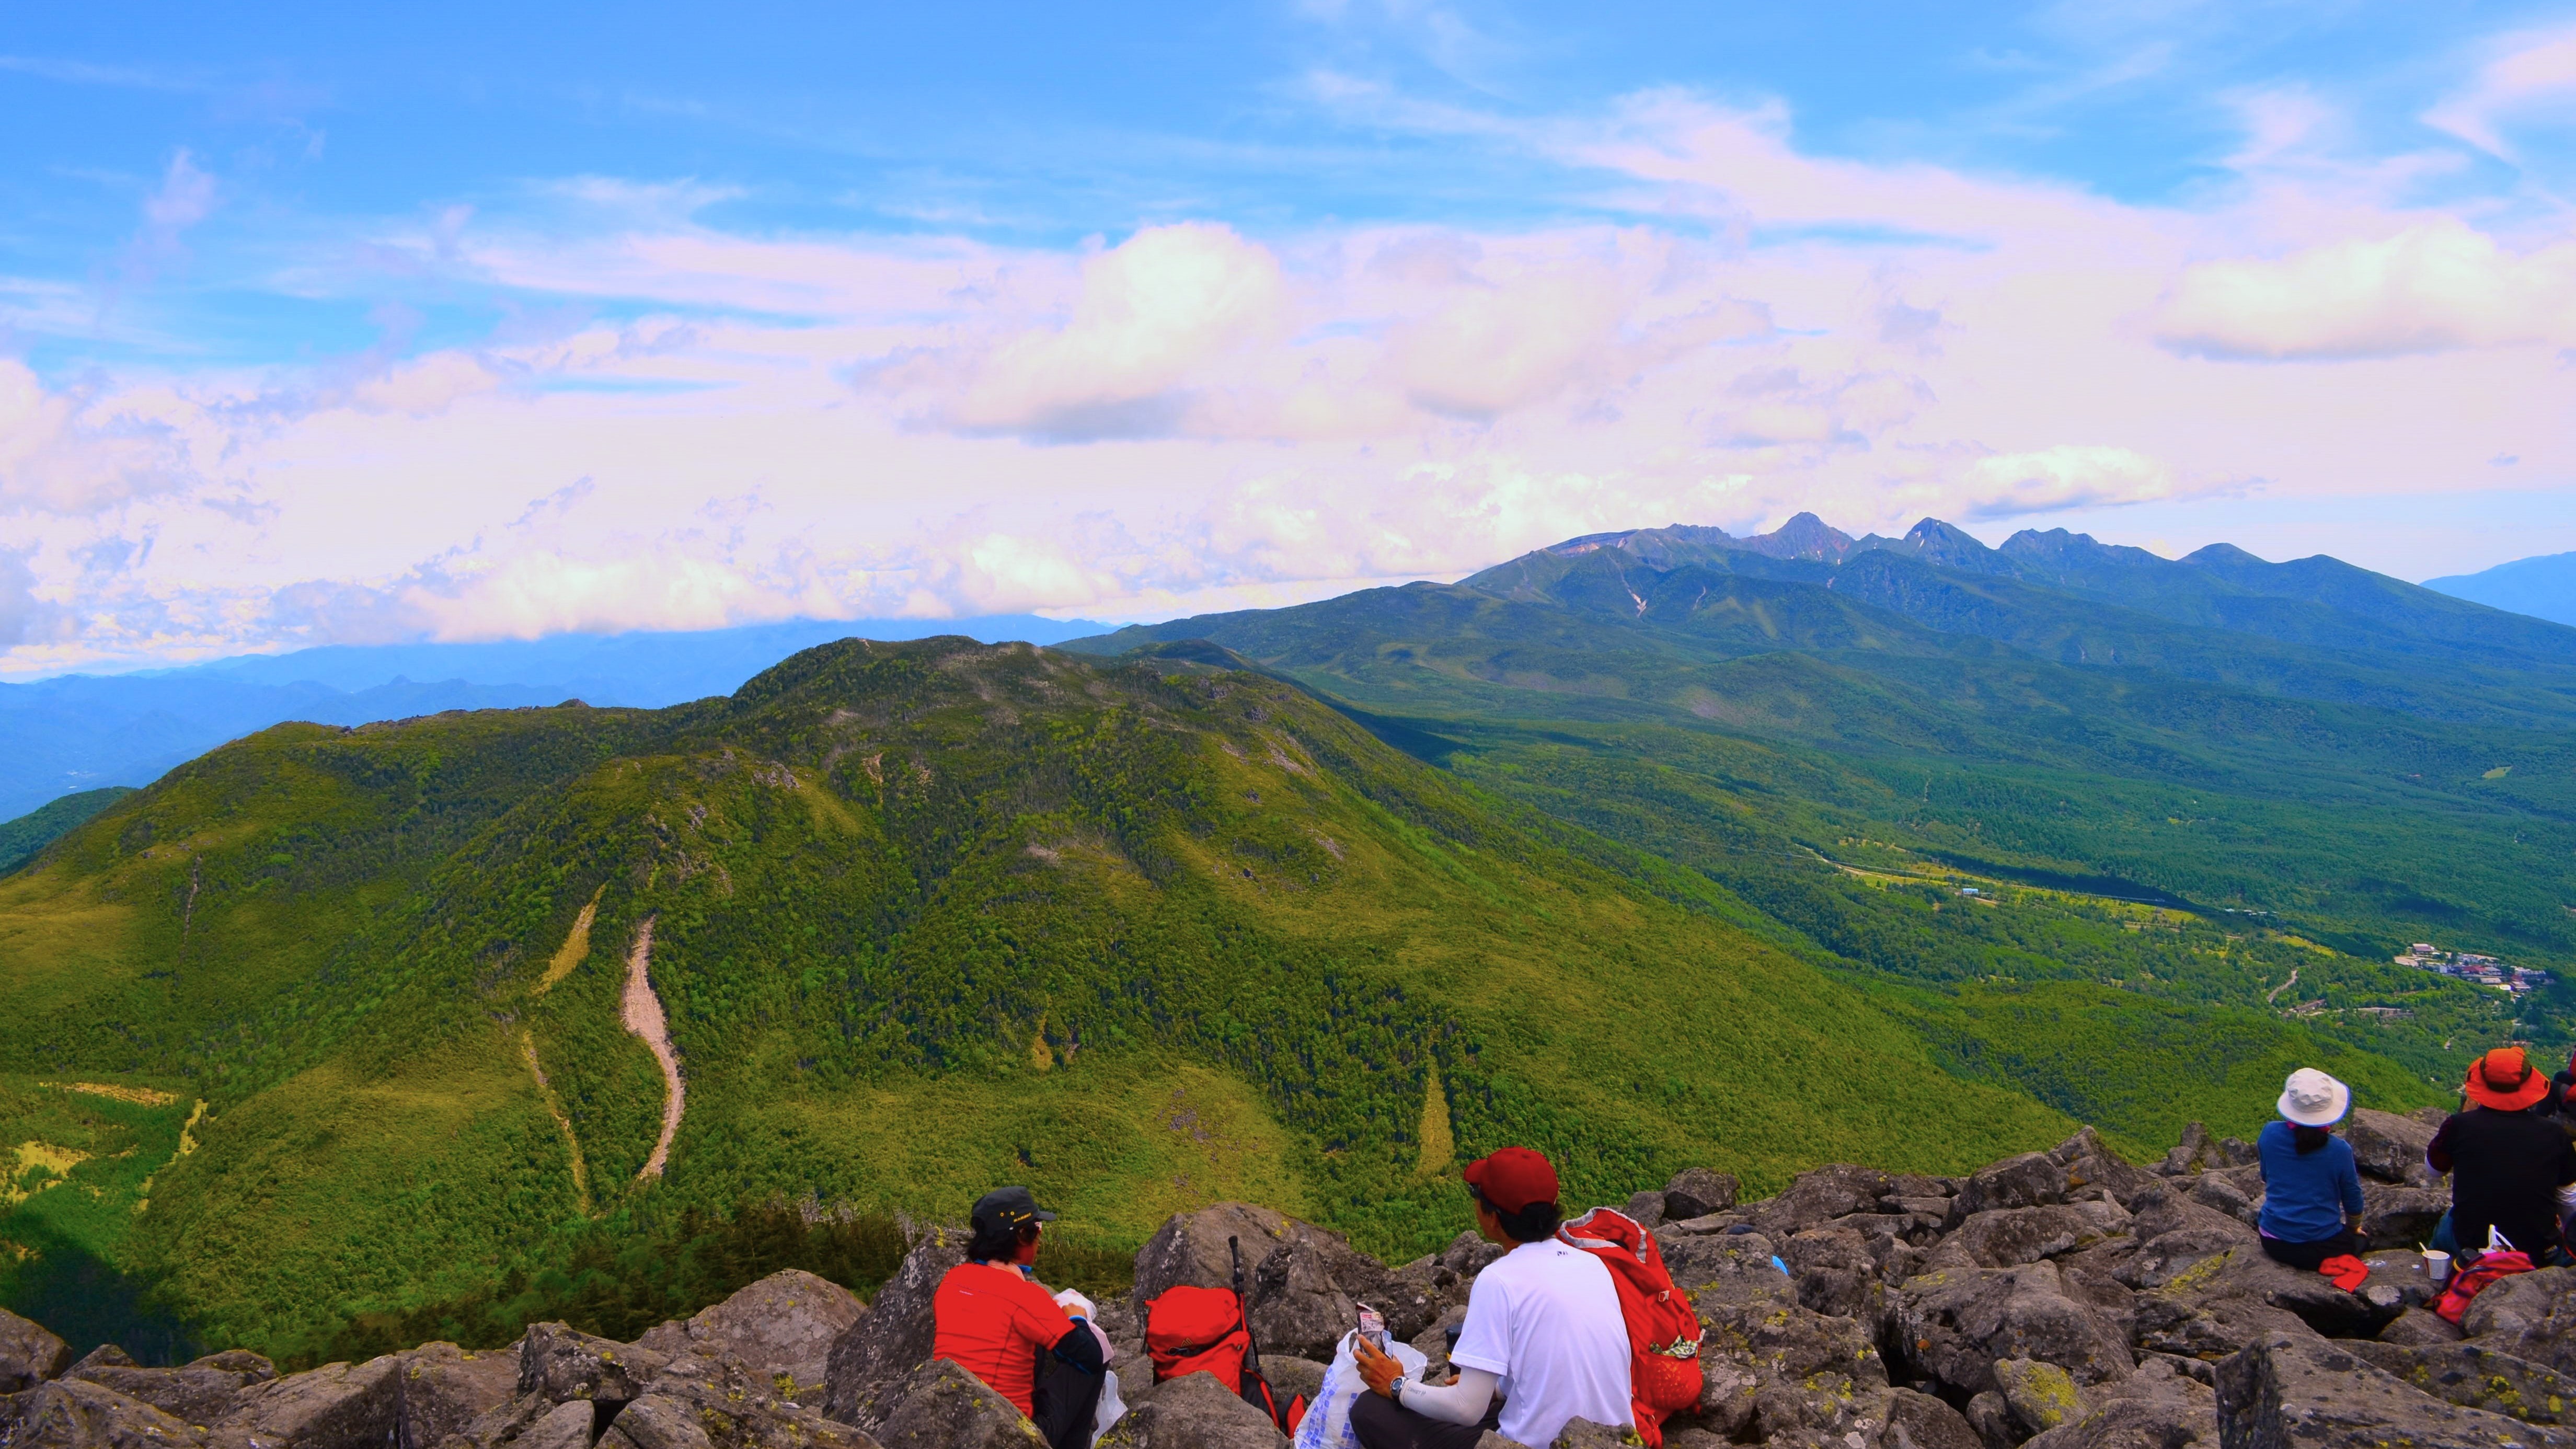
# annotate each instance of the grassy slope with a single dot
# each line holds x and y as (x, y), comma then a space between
(924, 918)
(21, 839)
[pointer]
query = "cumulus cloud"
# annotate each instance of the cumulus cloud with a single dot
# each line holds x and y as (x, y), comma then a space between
(59, 454)
(2067, 476)
(2428, 288)
(1152, 312)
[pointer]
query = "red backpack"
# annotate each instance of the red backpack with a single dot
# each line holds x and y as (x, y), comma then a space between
(2478, 1277)
(1201, 1331)
(1664, 1375)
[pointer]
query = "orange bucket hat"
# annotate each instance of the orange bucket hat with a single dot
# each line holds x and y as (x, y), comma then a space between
(2503, 1079)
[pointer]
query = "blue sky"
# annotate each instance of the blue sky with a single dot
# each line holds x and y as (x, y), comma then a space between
(1118, 309)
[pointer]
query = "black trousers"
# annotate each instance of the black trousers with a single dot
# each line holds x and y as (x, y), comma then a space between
(1066, 1401)
(2306, 1256)
(1382, 1423)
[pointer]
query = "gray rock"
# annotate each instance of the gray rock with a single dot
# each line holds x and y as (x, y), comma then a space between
(1303, 1282)
(1990, 1418)
(1193, 1411)
(254, 1368)
(1916, 1421)
(1696, 1192)
(941, 1406)
(2400, 1217)
(2477, 1378)
(650, 1422)
(2041, 1395)
(567, 1425)
(2157, 1407)
(736, 1406)
(28, 1354)
(1646, 1209)
(2008, 1237)
(106, 1355)
(2033, 1179)
(878, 1351)
(559, 1362)
(197, 1397)
(2188, 1156)
(2217, 1190)
(2530, 1316)
(2390, 1148)
(2221, 1305)
(2093, 1169)
(2420, 1326)
(1585, 1434)
(1291, 1377)
(1818, 1197)
(1491, 1440)
(1955, 1324)
(78, 1414)
(1837, 1272)
(785, 1324)
(337, 1406)
(2300, 1392)
(441, 1389)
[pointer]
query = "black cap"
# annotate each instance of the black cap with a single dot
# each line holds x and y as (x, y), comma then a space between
(1008, 1207)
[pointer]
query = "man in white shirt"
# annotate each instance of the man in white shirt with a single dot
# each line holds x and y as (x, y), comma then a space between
(1543, 1332)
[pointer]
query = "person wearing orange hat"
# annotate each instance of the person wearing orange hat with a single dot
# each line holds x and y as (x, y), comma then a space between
(1543, 1330)
(2506, 1162)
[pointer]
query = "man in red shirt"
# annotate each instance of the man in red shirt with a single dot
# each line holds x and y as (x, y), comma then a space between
(996, 1321)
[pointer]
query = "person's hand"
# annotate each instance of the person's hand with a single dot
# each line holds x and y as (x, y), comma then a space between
(1377, 1370)
(1073, 1302)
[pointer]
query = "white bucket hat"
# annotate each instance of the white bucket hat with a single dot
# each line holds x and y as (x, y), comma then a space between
(2313, 1099)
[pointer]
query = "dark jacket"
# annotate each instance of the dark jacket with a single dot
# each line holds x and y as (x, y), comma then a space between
(2506, 1169)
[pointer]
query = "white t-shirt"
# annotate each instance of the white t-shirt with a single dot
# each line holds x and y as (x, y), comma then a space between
(1546, 1318)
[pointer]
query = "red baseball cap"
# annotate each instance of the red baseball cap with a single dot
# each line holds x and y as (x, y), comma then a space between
(1513, 1178)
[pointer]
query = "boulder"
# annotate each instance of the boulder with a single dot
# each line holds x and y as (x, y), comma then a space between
(941, 1406)
(2215, 1189)
(1292, 1378)
(1193, 1411)
(28, 1354)
(2420, 1326)
(1990, 1418)
(2529, 1316)
(194, 1396)
(1646, 1209)
(254, 1368)
(1818, 1197)
(1917, 1421)
(2290, 1391)
(1955, 1325)
(559, 1362)
(2189, 1155)
(2390, 1148)
(729, 1404)
(441, 1389)
(2226, 1302)
(1836, 1272)
(1585, 1434)
(1696, 1192)
(2400, 1217)
(2031, 1180)
(2008, 1237)
(881, 1348)
(2477, 1378)
(2094, 1170)
(783, 1325)
(78, 1414)
(2158, 1407)
(567, 1425)
(336, 1406)
(2041, 1395)
(1302, 1282)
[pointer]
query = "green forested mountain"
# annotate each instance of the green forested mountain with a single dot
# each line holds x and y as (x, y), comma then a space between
(332, 1023)
(2308, 765)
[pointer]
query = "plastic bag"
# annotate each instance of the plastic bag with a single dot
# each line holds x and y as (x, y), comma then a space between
(1112, 1408)
(1327, 1424)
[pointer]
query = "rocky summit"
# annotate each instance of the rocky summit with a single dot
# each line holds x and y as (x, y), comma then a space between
(2065, 1299)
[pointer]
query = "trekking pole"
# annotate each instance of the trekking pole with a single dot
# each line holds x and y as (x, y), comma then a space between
(1251, 1346)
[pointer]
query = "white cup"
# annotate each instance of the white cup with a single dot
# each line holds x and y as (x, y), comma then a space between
(2437, 1265)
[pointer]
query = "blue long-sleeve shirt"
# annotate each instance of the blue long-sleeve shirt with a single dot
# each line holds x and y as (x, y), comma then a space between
(2305, 1196)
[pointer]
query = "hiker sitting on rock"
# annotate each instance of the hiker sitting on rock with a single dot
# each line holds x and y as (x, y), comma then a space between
(1543, 1329)
(996, 1322)
(2507, 1163)
(2308, 1173)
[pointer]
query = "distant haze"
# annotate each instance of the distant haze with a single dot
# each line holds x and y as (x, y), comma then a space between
(2543, 587)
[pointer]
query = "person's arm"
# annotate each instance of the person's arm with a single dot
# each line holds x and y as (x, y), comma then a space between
(1080, 1347)
(2437, 1153)
(1053, 1328)
(1463, 1402)
(2350, 1184)
(2567, 1164)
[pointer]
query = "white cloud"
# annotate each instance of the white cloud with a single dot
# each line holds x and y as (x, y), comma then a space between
(2429, 288)
(2067, 476)
(2532, 72)
(62, 455)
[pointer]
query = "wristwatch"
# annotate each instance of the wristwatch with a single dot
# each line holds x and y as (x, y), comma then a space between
(1395, 1390)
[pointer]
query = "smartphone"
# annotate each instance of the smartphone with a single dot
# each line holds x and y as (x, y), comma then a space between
(1373, 1327)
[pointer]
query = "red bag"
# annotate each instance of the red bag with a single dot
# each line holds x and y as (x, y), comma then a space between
(2476, 1278)
(1201, 1331)
(1664, 1374)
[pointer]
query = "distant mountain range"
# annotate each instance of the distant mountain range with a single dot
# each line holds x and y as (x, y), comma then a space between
(83, 732)
(2543, 587)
